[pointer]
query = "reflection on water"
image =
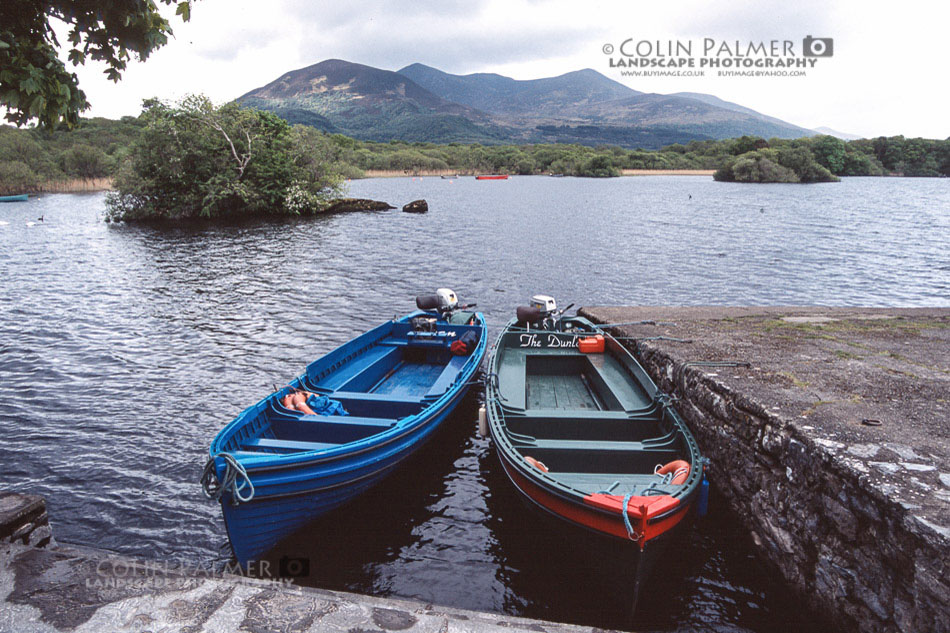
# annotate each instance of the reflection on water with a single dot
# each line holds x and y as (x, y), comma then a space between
(123, 350)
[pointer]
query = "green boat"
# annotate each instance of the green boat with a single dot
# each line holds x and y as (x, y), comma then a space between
(584, 434)
(22, 197)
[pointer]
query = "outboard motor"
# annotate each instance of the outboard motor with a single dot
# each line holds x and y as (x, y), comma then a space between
(444, 302)
(542, 313)
(528, 316)
(449, 300)
(546, 305)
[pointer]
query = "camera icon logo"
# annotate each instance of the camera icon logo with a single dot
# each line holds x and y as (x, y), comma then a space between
(292, 567)
(818, 46)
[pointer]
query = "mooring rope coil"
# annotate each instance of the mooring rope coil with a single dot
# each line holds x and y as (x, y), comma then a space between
(233, 471)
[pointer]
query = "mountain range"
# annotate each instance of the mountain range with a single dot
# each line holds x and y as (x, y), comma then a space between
(421, 103)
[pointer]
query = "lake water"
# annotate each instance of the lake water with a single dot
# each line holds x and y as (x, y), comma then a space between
(124, 349)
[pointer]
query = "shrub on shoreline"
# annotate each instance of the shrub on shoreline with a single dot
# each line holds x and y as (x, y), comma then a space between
(792, 162)
(196, 160)
(98, 149)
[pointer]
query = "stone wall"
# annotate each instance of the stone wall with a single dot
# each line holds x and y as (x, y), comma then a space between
(848, 551)
(23, 520)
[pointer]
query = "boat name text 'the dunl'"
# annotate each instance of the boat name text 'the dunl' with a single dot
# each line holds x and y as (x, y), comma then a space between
(551, 340)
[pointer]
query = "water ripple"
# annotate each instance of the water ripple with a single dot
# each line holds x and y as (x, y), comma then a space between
(124, 349)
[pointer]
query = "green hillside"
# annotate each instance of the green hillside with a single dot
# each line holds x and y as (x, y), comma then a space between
(421, 103)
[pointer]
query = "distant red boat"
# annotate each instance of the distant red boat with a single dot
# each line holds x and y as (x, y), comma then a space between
(492, 177)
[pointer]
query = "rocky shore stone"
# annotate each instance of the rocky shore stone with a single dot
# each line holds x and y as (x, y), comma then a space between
(23, 520)
(416, 206)
(344, 205)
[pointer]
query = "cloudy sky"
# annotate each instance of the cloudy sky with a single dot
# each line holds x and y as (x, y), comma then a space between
(888, 74)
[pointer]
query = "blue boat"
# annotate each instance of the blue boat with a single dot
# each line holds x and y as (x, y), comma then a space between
(22, 197)
(344, 424)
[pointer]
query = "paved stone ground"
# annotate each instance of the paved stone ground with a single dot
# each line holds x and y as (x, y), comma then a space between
(842, 426)
(90, 591)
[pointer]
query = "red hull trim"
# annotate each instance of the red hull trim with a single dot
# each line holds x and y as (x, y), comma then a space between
(603, 513)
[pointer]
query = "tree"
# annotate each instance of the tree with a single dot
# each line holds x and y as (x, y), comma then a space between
(745, 144)
(800, 160)
(196, 160)
(889, 151)
(16, 177)
(830, 152)
(22, 146)
(761, 167)
(756, 166)
(318, 155)
(920, 158)
(36, 85)
(857, 163)
(525, 165)
(943, 156)
(597, 167)
(788, 163)
(83, 161)
(19, 145)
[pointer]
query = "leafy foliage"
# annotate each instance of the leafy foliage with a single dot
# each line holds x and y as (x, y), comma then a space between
(411, 158)
(92, 149)
(745, 144)
(756, 166)
(100, 147)
(16, 177)
(86, 162)
(799, 158)
(195, 160)
(36, 85)
(830, 152)
(791, 161)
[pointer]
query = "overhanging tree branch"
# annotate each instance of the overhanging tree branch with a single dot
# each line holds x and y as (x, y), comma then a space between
(36, 85)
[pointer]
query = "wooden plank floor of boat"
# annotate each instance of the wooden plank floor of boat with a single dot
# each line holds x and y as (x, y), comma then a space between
(560, 391)
(573, 381)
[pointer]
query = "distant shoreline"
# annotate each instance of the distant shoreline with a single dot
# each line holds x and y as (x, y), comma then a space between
(667, 172)
(397, 173)
(81, 185)
(73, 185)
(385, 173)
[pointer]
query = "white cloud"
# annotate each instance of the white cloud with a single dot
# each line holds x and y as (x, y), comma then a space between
(885, 76)
(755, 19)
